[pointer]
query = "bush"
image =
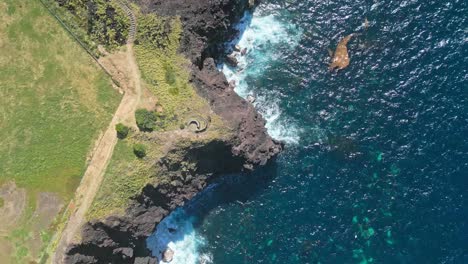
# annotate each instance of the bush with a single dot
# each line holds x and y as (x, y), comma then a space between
(146, 120)
(122, 130)
(170, 75)
(2, 202)
(139, 150)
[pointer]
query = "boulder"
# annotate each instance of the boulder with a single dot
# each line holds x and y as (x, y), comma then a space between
(232, 84)
(126, 253)
(232, 60)
(145, 260)
(168, 255)
(251, 99)
(244, 51)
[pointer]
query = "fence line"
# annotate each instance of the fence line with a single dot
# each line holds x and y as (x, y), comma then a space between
(79, 41)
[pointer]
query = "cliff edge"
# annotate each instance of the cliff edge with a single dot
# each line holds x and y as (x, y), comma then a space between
(189, 164)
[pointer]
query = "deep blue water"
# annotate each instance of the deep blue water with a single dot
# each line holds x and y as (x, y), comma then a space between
(376, 163)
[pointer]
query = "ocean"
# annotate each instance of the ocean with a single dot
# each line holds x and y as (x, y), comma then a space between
(375, 168)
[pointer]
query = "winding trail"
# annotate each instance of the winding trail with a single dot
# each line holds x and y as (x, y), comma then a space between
(102, 154)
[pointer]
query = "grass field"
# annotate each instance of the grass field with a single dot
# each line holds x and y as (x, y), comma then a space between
(54, 102)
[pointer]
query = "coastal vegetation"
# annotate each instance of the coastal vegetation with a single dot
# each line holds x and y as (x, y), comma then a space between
(165, 73)
(122, 130)
(54, 103)
(146, 120)
(139, 150)
(96, 22)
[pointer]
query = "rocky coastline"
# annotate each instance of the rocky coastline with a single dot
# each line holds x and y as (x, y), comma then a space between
(207, 26)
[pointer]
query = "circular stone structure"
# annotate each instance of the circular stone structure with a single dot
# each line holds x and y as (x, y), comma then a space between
(197, 123)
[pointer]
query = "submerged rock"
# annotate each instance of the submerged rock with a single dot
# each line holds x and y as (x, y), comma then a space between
(244, 51)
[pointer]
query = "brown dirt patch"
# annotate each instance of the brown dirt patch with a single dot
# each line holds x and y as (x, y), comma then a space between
(47, 208)
(117, 63)
(5, 250)
(14, 202)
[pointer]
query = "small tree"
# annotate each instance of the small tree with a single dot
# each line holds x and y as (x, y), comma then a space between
(146, 120)
(122, 130)
(139, 150)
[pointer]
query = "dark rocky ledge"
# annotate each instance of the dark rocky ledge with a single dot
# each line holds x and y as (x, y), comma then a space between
(207, 25)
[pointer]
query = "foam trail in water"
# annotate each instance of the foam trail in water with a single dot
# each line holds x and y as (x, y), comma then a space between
(262, 39)
(177, 232)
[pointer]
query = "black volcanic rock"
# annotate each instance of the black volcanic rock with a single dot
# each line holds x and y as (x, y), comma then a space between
(253, 142)
(207, 26)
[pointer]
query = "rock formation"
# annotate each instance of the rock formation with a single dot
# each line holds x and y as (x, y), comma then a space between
(168, 255)
(207, 26)
(232, 60)
(340, 58)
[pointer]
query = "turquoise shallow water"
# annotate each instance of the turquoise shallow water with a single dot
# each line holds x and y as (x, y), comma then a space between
(376, 164)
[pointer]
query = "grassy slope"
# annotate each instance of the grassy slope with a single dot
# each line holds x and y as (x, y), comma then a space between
(166, 74)
(54, 101)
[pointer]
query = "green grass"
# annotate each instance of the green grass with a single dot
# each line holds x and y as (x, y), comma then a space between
(54, 101)
(125, 177)
(165, 73)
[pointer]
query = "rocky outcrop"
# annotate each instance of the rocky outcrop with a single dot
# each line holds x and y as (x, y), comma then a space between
(122, 239)
(207, 26)
(232, 60)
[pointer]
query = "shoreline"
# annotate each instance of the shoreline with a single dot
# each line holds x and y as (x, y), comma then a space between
(122, 239)
(179, 230)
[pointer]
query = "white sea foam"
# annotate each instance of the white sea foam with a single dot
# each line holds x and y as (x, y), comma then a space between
(177, 232)
(262, 38)
(263, 31)
(278, 126)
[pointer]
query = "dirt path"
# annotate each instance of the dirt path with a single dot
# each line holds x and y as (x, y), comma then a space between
(102, 154)
(94, 174)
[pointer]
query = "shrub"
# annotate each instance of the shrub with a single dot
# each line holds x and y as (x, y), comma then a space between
(122, 130)
(170, 75)
(139, 150)
(2, 202)
(146, 120)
